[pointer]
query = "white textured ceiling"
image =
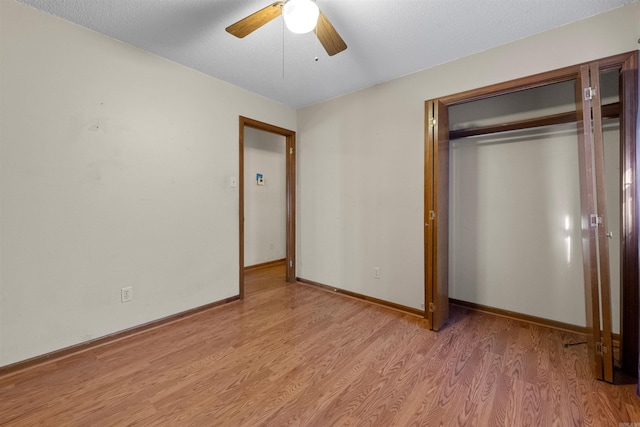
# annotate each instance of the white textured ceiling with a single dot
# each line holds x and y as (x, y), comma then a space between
(386, 38)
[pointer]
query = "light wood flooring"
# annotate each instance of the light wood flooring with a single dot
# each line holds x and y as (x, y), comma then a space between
(297, 355)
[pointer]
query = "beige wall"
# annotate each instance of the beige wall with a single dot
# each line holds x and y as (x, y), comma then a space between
(115, 168)
(360, 178)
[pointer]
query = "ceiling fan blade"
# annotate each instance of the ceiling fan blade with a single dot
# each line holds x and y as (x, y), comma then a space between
(328, 36)
(256, 20)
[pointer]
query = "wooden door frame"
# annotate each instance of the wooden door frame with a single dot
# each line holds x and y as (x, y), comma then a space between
(628, 64)
(290, 137)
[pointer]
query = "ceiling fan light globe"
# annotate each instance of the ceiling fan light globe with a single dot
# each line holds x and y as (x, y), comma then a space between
(300, 16)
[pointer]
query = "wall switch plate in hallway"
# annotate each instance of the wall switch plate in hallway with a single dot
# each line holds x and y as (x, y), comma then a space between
(233, 182)
(376, 272)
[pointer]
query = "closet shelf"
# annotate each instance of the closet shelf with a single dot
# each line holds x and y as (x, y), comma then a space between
(609, 111)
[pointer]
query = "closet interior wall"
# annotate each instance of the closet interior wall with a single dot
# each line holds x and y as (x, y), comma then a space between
(515, 238)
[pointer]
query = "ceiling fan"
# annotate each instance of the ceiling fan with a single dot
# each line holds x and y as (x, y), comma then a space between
(300, 16)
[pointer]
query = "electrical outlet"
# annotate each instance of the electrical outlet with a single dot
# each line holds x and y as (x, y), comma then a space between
(376, 272)
(422, 306)
(126, 294)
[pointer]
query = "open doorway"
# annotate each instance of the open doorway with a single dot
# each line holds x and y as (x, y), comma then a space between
(247, 128)
(265, 201)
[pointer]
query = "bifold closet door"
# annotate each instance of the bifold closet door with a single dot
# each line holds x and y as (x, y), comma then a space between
(595, 232)
(436, 214)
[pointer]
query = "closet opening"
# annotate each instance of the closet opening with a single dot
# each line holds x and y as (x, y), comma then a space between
(530, 204)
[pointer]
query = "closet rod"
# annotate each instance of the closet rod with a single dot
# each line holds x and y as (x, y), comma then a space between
(609, 111)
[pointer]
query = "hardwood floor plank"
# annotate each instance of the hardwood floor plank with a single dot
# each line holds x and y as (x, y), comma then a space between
(292, 354)
(484, 388)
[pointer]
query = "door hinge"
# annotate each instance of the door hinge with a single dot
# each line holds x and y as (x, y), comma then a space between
(290, 150)
(291, 263)
(432, 307)
(433, 121)
(590, 93)
(601, 348)
(432, 215)
(595, 220)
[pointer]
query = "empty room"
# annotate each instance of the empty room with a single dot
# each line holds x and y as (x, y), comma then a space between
(319, 212)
